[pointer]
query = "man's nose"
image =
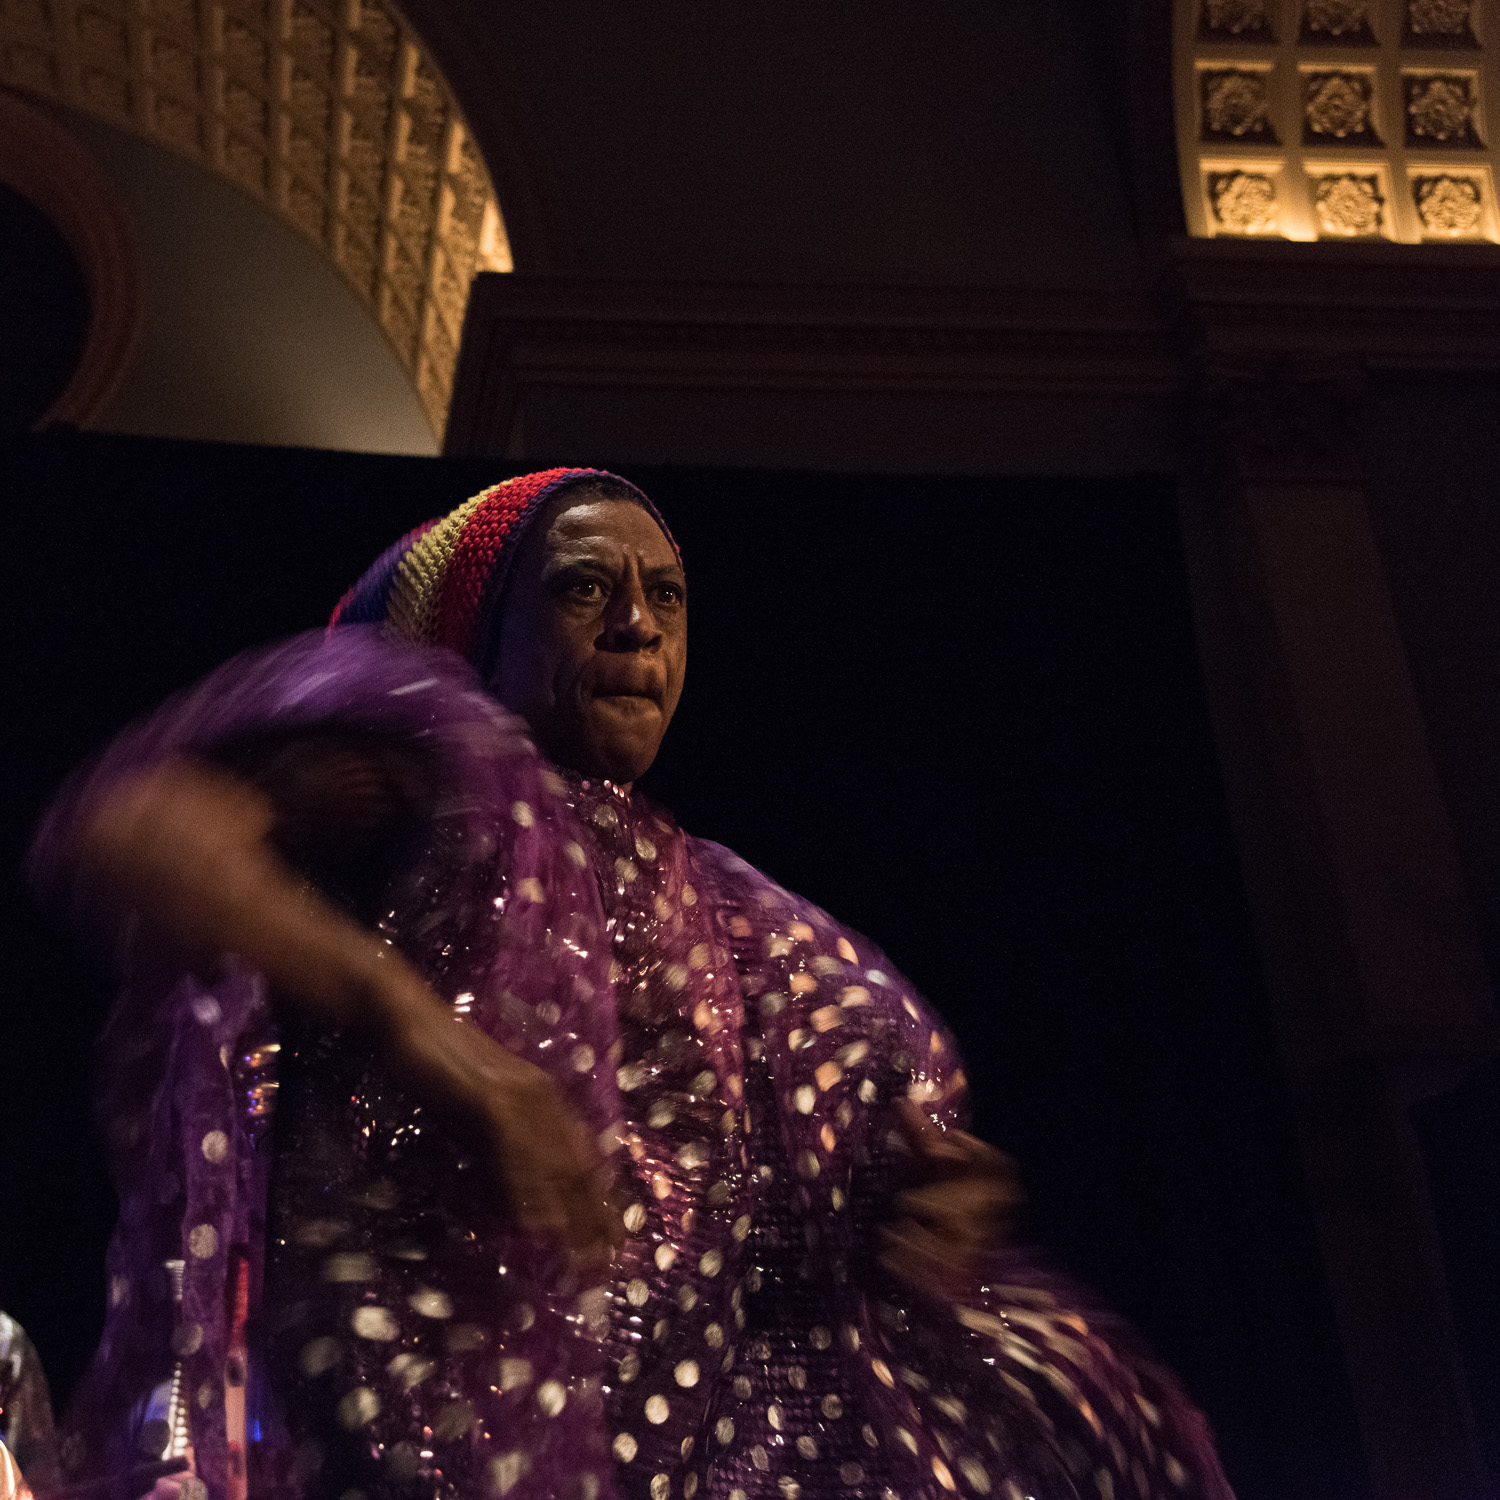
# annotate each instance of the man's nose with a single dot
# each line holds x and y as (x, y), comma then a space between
(628, 623)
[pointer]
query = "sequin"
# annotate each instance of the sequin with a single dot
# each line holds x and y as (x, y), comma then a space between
(215, 1146)
(375, 1323)
(318, 1357)
(978, 1477)
(665, 1255)
(686, 1373)
(359, 1406)
(724, 1431)
(636, 1292)
(711, 1263)
(522, 814)
(832, 1407)
(506, 1472)
(657, 1410)
(805, 1099)
(625, 1447)
(203, 1241)
(551, 1397)
(635, 1218)
(410, 1370)
(430, 1304)
(515, 1373)
(661, 1487)
(453, 1421)
(807, 1447)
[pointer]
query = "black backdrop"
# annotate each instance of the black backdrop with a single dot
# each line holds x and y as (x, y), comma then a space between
(964, 715)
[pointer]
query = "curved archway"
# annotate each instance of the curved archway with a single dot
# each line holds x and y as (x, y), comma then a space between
(329, 111)
(47, 167)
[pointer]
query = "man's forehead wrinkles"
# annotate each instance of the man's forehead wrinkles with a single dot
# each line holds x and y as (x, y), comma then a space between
(608, 550)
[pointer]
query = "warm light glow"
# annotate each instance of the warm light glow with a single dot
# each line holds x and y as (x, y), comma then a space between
(1336, 119)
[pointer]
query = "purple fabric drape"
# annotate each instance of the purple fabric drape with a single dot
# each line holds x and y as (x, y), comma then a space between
(735, 1050)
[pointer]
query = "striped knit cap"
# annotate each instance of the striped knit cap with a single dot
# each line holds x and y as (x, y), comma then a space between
(439, 585)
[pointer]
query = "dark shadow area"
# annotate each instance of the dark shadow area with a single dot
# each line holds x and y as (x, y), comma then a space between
(44, 312)
(1459, 1133)
(964, 715)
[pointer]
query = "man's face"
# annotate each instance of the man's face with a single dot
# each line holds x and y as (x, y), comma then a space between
(593, 635)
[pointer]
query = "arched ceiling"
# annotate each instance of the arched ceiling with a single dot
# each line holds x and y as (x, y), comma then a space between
(328, 111)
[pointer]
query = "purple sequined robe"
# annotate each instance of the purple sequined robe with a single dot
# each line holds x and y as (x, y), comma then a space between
(735, 1051)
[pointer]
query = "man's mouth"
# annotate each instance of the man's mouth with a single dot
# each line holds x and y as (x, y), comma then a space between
(627, 691)
(629, 702)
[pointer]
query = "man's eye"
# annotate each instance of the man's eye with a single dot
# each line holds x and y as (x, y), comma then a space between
(586, 588)
(668, 594)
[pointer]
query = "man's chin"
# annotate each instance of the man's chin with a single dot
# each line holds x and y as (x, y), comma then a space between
(621, 745)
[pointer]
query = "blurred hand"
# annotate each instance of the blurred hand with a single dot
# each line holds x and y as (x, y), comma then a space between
(189, 848)
(964, 1197)
(511, 1112)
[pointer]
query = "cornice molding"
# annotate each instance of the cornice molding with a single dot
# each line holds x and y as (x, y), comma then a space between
(1431, 308)
(527, 332)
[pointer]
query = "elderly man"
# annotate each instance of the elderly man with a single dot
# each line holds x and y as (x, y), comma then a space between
(513, 1142)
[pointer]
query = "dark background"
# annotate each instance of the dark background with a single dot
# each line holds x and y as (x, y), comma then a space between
(964, 715)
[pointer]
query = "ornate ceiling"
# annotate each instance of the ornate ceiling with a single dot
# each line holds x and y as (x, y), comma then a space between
(328, 111)
(1337, 119)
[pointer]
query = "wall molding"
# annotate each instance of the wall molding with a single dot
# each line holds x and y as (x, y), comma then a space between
(525, 332)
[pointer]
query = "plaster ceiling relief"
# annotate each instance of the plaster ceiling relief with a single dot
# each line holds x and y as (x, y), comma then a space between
(1236, 104)
(1335, 119)
(1440, 109)
(1345, 22)
(1240, 20)
(1451, 205)
(1441, 21)
(330, 112)
(1349, 204)
(1243, 202)
(1339, 106)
